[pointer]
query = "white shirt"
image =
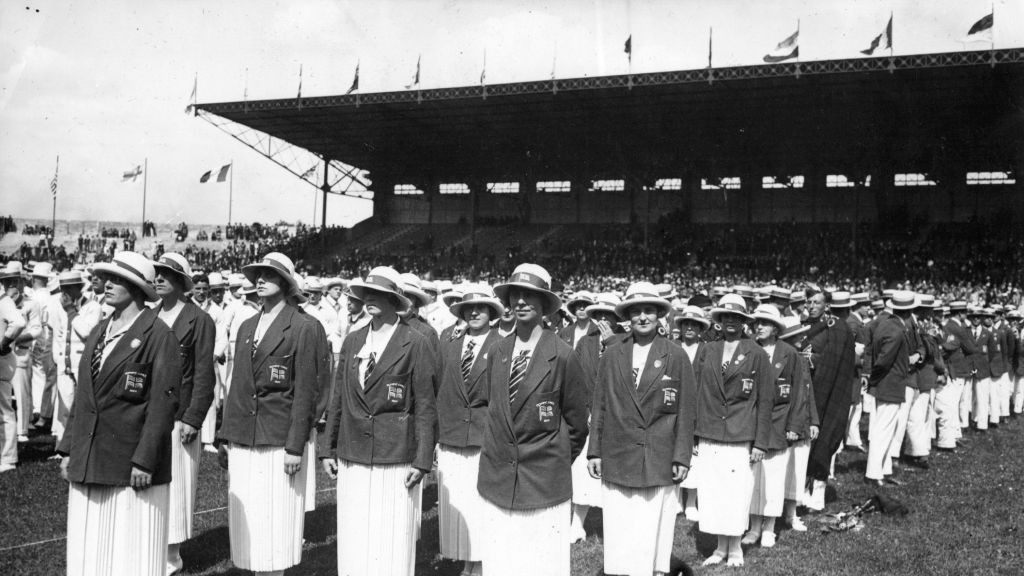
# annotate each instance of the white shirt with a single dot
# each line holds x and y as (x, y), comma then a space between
(110, 339)
(640, 353)
(579, 333)
(691, 350)
(169, 316)
(376, 342)
(477, 341)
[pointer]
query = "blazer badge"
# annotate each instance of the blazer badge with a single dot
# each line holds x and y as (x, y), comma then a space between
(669, 395)
(545, 411)
(748, 385)
(396, 392)
(657, 363)
(134, 382)
(135, 343)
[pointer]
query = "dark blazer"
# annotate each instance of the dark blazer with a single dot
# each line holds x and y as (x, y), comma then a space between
(529, 446)
(785, 373)
(274, 392)
(590, 351)
(568, 334)
(927, 375)
(890, 365)
(996, 351)
(125, 418)
(461, 405)
(735, 406)
(195, 332)
(957, 347)
(979, 359)
(640, 432)
(803, 411)
(392, 420)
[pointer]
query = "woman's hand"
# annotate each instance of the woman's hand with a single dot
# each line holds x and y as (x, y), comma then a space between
(64, 468)
(292, 464)
(413, 477)
(188, 433)
(330, 466)
(594, 467)
(140, 480)
(756, 455)
(679, 473)
(814, 433)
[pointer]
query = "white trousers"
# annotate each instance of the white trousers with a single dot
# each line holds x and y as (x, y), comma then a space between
(985, 405)
(1005, 394)
(881, 432)
(1018, 395)
(901, 423)
(947, 411)
(22, 383)
(65, 397)
(918, 442)
(8, 425)
(853, 438)
(44, 382)
(966, 397)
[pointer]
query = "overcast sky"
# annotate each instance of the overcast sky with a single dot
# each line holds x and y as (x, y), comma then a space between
(104, 83)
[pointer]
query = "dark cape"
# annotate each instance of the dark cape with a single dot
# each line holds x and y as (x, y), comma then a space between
(833, 360)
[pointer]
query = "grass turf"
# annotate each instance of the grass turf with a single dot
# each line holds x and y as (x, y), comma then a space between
(966, 516)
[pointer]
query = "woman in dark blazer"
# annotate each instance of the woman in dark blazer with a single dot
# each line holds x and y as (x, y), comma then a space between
(692, 322)
(195, 332)
(117, 446)
(461, 414)
(379, 440)
(280, 359)
(642, 424)
(536, 426)
(801, 426)
(734, 411)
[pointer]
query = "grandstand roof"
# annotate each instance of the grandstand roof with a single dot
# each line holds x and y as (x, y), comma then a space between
(915, 111)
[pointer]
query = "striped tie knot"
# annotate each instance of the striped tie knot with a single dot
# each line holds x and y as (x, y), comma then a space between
(636, 377)
(371, 363)
(467, 360)
(519, 364)
(97, 358)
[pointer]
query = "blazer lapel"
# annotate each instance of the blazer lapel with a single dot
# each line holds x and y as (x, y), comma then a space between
(90, 349)
(540, 366)
(738, 359)
(654, 368)
(480, 361)
(273, 336)
(624, 360)
(503, 352)
(392, 353)
(183, 323)
(124, 349)
(716, 369)
(358, 339)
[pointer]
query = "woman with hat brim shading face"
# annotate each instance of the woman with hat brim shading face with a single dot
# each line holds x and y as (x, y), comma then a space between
(641, 455)
(803, 422)
(195, 332)
(770, 473)
(380, 434)
(734, 410)
(117, 446)
(281, 362)
(536, 426)
(462, 411)
(692, 323)
(582, 325)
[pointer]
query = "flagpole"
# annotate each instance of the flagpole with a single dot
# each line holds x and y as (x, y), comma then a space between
(798, 40)
(145, 177)
(231, 191)
(711, 70)
(53, 222)
(890, 34)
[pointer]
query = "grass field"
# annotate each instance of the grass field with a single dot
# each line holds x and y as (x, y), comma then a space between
(967, 517)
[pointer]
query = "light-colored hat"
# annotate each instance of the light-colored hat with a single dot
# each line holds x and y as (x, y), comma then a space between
(744, 291)
(777, 293)
(382, 279)
(926, 301)
(332, 281)
(312, 284)
(791, 326)
(583, 297)
(454, 295)
(413, 290)
(477, 294)
(797, 296)
(692, 314)
(530, 277)
(770, 313)
(640, 293)
(730, 303)
(604, 302)
(216, 280)
(903, 300)
(134, 268)
(43, 270)
(277, 263)
(430, 287)
(71, 278)
(176, 264)
(247, 287)
(841, 299)
(958, 306)
(12, 269)
(666, 291)
(444, 286)
(860, 298)
(719, 291)
(236, 280)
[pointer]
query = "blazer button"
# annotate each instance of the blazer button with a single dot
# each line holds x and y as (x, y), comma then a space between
(465, 419)
(253, 396)
(723, 417)
(252, 413)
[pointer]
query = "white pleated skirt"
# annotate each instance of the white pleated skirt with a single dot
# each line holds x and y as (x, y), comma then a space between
(796, 469)
(266, 509)
(586, 490)
(690, 482)
(184, 476)
(639, 525)
(770, 484)
(520, 542)
(725, 486)
(117, 530)
(310, 462)
(460, 508)
(208, 433)
(376, 520)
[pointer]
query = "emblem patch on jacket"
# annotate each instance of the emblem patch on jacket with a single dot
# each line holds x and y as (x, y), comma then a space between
(278, 373)
(545, 411)
(396, 393)
(669, 396)
(134, 382)
(748, 385)
(783, 389)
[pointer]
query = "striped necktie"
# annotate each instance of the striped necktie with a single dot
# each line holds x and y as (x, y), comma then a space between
(519, 364)
(371, 363)
(636, 379)
(97, 357)
(467, 360)
(725, 366)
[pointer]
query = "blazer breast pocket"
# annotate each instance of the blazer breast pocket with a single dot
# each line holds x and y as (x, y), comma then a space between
(546, 412)
(279, 373)
(668, 396)
(782, 391)
(134, 383)
(396, 392)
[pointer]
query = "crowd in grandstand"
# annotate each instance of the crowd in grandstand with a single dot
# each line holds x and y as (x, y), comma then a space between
(650, 383)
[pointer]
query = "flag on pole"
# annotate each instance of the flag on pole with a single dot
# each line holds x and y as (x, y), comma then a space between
(310, 172)
(53, 183)
(981, 31)
(788, 48)
(710, 35)
(483, 72)
(222, 174)
(131, 174)
(628, 48)
(192, 96)
(883, 40)
(355, 81)
(416, 79)
(299, 96)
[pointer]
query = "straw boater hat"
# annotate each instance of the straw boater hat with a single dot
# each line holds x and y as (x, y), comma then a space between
(413, 290)
(477, 294)
(216, 280)
(43, 270)
(332, 282)
(383, 280)
(926, 301)
(743, 290)
(780, 294)
(692, 314)
(247, 287)
(604, 302)
(176, 264)
(903, 300)
(719, 291)
(958, 306)
(430, 287)
(770, 313)
(71, 278)
(582, 298)
(640, 293)
(12, 269)
(530, 277)
(454, 295)
(841, 299)
(313, 284)
(235, 280)
(860, 298)
(700, 301)
(877, 305)
(792, 327)
(730, 303)
(132, 267)
(279, 264)
(797, 296)
(666, 291)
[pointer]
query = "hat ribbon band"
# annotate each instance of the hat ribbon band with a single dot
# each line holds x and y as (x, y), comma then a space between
(531, 279)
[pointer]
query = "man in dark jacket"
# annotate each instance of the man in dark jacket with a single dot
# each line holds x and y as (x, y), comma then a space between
(957, 346)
